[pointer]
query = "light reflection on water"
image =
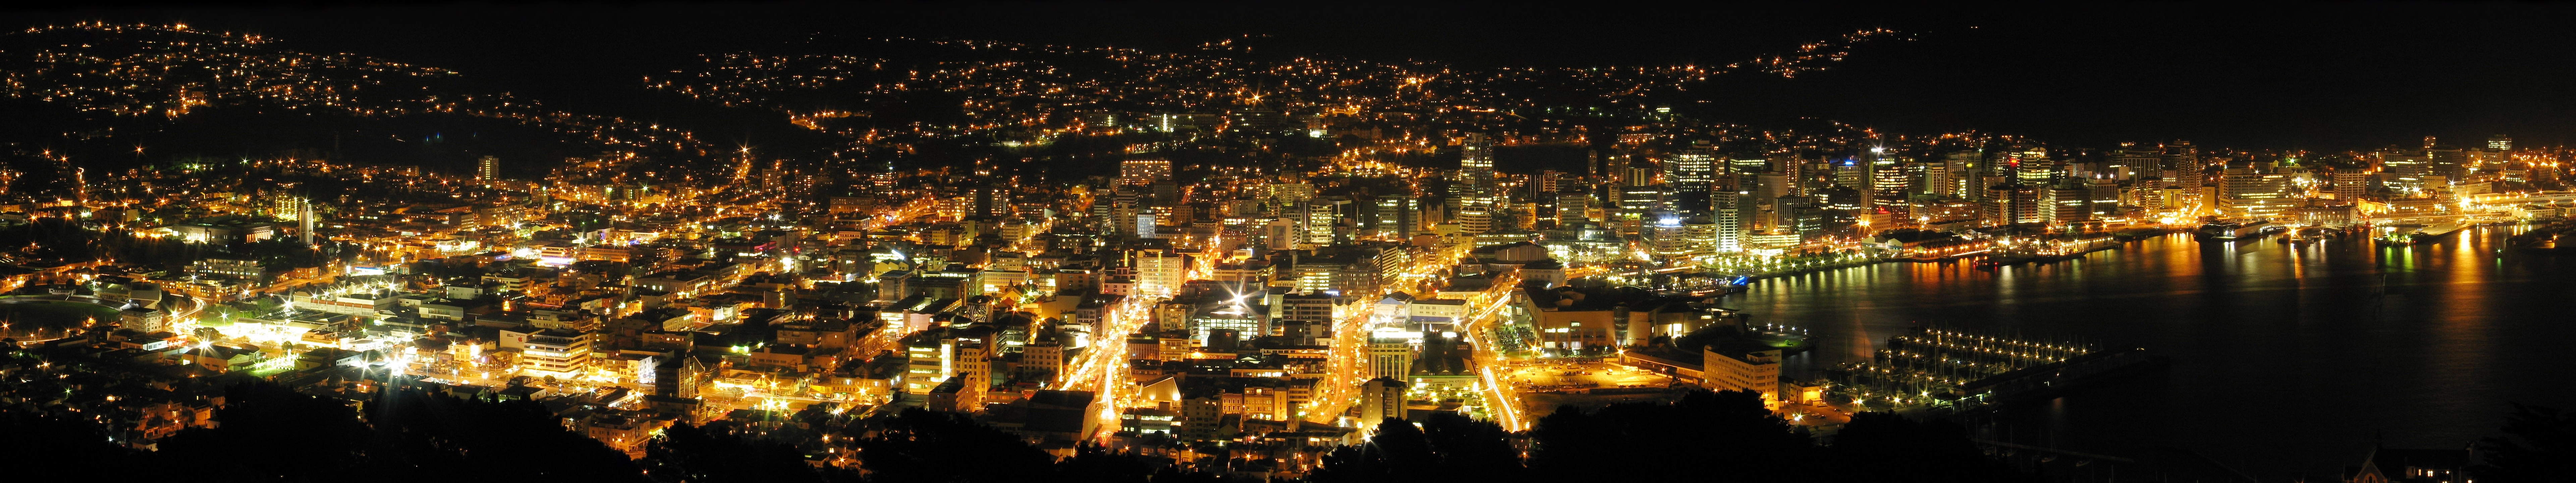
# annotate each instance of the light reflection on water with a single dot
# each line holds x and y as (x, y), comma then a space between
(2282, 354)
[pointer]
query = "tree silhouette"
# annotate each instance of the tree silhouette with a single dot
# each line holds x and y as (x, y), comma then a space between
(699, 454)
(270, 432)
(1888, 447)
(1446, 446)
(921, 445)
(422, 434)
(2539, 444)
(1726, 433)
(41, 442)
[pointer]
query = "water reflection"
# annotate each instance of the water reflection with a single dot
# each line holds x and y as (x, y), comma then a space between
(2284, 353)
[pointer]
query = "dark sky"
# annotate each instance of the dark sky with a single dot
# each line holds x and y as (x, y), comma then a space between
(2318, 76)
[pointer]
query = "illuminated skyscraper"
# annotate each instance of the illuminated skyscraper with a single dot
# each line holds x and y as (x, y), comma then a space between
(2145, 160)
(1693, 175)
(1476, 153)
(1731, 220)
(487, 169)
(2031, 166)
(2011, 203)
(1888, 180)
(1143, 172)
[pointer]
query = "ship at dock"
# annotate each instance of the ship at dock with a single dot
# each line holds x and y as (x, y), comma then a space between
(2412, 234)
(2238, 231)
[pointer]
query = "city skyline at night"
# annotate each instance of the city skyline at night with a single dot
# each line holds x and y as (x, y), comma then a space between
(1289, 242)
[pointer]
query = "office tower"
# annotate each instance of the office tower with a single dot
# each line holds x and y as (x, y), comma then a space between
(1693, 175)
(1700, 236)
(1639, 193)
(1391, 356)
(2184, 160)
(1668, 240)
(1745, 169)
(2066, 202)
(1768, 188)
(1961, 177)
(1888, 180)
(1731, 222)
(1799, 214)
(487, 169)
(1573, 207)
(1143, 172)
(1475, 218)
(2254, 193)
(2032, 165)
(1930, 179)
(1793, 176)
(1851, 173)
(2011, 204)
(2141, 159)
(1476, 153)
(1381, 399)
(2500, 142)
(2349, 185)
(1393, 217)
(1158, 271)
(2406, 169)
(2104, 196)
(1317, 222)
(2450, 163)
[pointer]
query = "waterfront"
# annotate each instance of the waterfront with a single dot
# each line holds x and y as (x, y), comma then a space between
(2286, 359)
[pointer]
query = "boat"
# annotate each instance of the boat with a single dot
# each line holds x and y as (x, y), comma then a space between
(2235, 231)
(2436, 231)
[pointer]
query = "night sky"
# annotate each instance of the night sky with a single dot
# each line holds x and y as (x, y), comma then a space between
(2305, 76)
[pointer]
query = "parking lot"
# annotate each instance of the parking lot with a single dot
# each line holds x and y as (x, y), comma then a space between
(1581, 376)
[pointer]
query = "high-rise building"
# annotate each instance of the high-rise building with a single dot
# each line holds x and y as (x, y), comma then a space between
(1745, 169)
(2183, 159)
(2253, 192)
(1693, 175)
(1888, 182)
(1731, 369)
(1573, 207)
(1476, 153)
(1475, 217)
(1801, 215)
(1851, 173)
(2349, 185)
(2066, 202)
(1670, 239)
(2500, 142)
(1381, 399)
(1639, 193)
(2104, 196)
(1391, 357)
(1544, 185)
(1962, 177)
(2407, 170)
(1143, 172)
(2031, 166)
(1159, 271)
(1730, 221)
(487, 169)
(2450, 163)
(2011, 204)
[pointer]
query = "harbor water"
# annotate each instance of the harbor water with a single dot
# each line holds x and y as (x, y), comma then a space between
(2287, 358)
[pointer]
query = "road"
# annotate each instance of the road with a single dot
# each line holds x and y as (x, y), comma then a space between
(1498, 394)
